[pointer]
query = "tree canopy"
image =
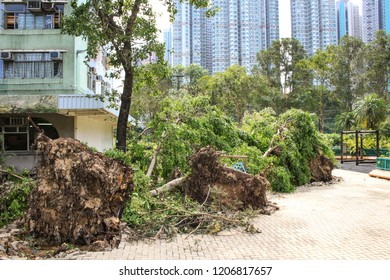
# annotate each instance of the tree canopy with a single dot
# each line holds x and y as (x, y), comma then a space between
(127, 30)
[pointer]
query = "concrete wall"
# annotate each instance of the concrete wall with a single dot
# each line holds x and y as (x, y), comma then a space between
(63, 124)
(23, 160)
(95, 131)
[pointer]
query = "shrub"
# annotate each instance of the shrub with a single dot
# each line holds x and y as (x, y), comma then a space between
(384, 128)
(14, 199)
(332, 140)
(119, 155)
(280, 179)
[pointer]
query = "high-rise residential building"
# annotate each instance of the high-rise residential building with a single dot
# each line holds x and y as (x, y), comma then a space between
(234, 35)
(168, 46)
(370, 19)
(376, 16)
(313, 23)
(358, 23)
(386, 15)
(348, 19)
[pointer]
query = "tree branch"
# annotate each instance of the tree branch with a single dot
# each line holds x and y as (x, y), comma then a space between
(154, 158)
(12, 174)
(272, 146)
(133, 17)
(168, 186)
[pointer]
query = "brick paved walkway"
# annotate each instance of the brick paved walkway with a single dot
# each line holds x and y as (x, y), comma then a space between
(347, 220)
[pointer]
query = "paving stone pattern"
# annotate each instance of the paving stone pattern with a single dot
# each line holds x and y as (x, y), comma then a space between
(349, 220)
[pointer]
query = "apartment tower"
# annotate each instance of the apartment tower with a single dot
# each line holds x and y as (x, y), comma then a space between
(239, 30)
(376, 16)
(348, 20)
(313, 23)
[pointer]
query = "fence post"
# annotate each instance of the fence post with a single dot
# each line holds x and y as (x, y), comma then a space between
(357, 147)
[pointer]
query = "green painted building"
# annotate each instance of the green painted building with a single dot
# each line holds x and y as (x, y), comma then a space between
(43, 76)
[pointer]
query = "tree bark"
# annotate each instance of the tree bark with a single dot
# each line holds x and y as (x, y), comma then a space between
(168, 186)
(322, 115)
(272, 146)
(124, 111)
(154, 158)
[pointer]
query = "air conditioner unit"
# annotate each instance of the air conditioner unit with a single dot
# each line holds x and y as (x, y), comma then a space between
(6, 56)
(56, 55)
(34, 6)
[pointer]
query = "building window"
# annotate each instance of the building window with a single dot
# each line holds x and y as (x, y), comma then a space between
(14, 131)
(41, 15)
(31, 66)
(19, 135)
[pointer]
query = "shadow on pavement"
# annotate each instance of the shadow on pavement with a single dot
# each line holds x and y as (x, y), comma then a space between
(361, 168)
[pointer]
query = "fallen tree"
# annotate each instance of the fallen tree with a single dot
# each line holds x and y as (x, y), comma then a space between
(210, 181)
(79, 196)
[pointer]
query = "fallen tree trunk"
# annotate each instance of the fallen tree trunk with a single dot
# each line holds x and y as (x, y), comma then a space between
(212, 183)
(79, 194)
(168, 186)
(154, 158)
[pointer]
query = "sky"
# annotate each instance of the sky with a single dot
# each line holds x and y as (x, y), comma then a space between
(284, 16)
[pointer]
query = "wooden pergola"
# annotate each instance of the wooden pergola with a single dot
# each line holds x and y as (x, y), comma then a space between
(359, 158)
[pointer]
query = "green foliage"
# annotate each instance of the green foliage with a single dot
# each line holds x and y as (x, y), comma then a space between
(260, 126)
(14, 199)
(369, 143)
(385, 128)
(348, 65)
(119, 155)
(332, 139)
(299, 143)
(140, 152)
(165, 216)
(370, 111)
(280, 179)
(192, 74)
(232, 90)
(279, 63)
(316, 98)
(152, 85)
(187, 123)
(256, 163)
(378, 68)
(303, 132)
(345, 121)
(128, 32)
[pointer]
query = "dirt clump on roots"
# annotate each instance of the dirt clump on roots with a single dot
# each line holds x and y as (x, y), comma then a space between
(211, 182)
(321, 169)
(79, 196)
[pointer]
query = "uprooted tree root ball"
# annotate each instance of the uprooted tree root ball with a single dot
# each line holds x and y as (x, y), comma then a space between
(79, 195)
(321, 169)
(211, 182)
